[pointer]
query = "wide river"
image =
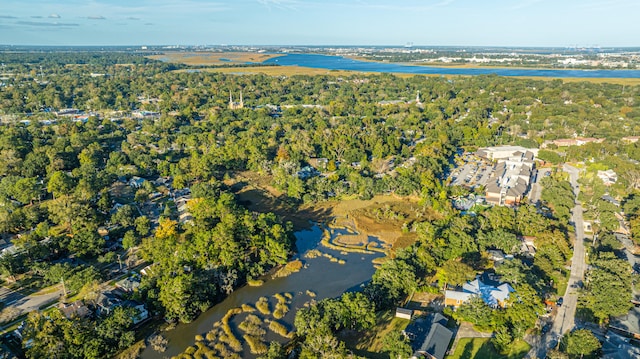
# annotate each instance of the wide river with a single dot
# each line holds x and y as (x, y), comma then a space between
(325, 278)
(341, 63)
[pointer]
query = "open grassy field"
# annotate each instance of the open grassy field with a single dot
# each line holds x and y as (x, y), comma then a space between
(212, 58)
(275, 71)
(481, 348)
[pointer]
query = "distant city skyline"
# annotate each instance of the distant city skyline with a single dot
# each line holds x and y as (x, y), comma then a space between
(531, 23)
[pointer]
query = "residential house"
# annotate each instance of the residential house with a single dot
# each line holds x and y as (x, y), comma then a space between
(307, 172)
(163, 181)
(145, 114)
(76, 309)
(148, 270)
(528, 246)
(576, 141)
(67, 112)
(106, 302)
(611, 200)
(142, 313)
(319, 163)
(608, 177)
(486, 286)
(498, 256)
(182, 203)
(429, 336)
(136, 182)
(129, 284)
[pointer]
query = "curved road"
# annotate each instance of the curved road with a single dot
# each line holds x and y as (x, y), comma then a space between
(565, 318)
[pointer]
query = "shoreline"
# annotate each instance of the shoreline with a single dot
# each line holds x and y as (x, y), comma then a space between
(467, 65)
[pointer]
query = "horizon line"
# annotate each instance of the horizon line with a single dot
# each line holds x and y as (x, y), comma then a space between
(168, 46)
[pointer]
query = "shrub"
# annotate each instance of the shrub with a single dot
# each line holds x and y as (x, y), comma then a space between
(256, 345)
(263, 305)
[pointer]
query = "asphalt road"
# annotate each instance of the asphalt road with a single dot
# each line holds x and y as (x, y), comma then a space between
(565, 317)
(27, 303)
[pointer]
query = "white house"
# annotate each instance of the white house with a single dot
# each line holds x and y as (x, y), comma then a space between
(136, 182)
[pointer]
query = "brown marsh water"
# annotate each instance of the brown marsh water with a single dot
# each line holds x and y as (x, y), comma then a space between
(321, 276)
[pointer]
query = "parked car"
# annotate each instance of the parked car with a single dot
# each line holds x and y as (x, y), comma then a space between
(559, 302)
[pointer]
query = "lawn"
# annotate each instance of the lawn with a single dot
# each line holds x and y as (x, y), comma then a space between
(481, 348)
(369, 343)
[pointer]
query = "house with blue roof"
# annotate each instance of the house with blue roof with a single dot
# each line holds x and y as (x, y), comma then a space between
(486, 286)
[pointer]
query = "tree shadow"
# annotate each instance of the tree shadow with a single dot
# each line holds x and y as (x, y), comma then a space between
(467, 352)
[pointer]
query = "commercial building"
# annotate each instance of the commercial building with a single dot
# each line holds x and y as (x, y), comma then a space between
(511, 179)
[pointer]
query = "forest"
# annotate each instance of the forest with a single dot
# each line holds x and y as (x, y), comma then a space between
(72, 210)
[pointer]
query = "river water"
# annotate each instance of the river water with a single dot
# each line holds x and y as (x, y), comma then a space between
(325, 278)
(341, 63)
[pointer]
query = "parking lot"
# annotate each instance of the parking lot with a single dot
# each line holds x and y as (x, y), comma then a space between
(473, 172)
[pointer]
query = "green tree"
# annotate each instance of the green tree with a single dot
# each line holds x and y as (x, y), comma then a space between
(396, 345)
(455, 273)
(523, 308)
(27, 189)
(609, 275)
(86, 241)
(323, 344)
(59, 184)
(476, 311)
(499, 239)
(275, 352)
(130, 240)
(176, 295)
(512, 271)
(355, 312)
(115, 330)
(391, 283)
(549, 156)
(9, 264)
(143, 225)
(124, 216)
(582, 342)
(502, 339)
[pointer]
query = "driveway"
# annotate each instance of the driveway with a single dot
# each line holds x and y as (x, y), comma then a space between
(465, 330)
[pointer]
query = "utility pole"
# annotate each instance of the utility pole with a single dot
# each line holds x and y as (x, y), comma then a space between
(120, 262)
(64, 288)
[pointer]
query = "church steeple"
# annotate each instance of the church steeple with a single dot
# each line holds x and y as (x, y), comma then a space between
(235, 105)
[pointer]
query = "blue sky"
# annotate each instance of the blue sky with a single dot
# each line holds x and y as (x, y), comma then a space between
(317, 22)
